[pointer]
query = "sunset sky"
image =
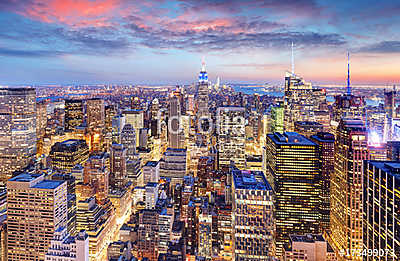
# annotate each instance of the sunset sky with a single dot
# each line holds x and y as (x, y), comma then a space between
(138, 42)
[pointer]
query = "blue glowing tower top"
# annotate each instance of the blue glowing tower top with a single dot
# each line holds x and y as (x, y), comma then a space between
(203, 76)
(348, 74)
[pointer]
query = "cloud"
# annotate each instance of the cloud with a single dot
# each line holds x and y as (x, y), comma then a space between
(29, 53)
(382, 47)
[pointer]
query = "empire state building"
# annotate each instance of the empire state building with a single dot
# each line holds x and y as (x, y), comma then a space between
(202, 93)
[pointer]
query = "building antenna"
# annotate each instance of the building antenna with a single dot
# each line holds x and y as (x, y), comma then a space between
(203, 64)
(292, 58)
(348, 74)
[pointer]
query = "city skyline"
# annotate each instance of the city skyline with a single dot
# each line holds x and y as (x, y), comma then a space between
(160, 42)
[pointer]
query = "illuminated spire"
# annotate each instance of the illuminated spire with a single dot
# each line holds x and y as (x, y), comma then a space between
(203, 64)
(348, 74)
(292, 58)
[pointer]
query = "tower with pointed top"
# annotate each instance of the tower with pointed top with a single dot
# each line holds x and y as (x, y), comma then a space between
(202, 92)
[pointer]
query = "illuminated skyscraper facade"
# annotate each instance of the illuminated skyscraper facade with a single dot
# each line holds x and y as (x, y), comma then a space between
(381, 220)
(277, 115)
(346, 187)
(231, 136)
(67, 154)
(17, 130)
(73, 114)
(253, 225)
(326, 150)
(202, 93)
(36, 208)
(95, 114)
(296, 184)
(175, 133)
(118, 178)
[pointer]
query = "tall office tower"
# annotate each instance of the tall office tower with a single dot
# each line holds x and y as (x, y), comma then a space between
(143, 137)
(175, 134)
(292, 167)
(347, 106)
(128, 139)
(41, 118)
(173, 164)
(309, 247)
(154, 109)
(205, 231)
(99, 223)
(67, 247)
(165, 224)
(300, 101)
(202, 93)
(253, 217)
(151, 195)
(95, 112)
(381, 220)
(73, 114)
(390, 107)
(118, 123)
(36, 208)
(109, 112)
(118, 177)
(97, 174)
(326, 149)
(346, 187)
(136, 119)
(231, 136)
(393, 150)
(147, 234)
(67, 154)
(277, 113)
(17, 130)
(308, 128)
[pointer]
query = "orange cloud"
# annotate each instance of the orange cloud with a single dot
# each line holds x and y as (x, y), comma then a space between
(75, 13)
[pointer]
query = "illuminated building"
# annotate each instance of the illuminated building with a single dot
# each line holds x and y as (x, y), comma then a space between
(346, 186)
(119, 251)
(326, 149)
(68, 248)
(225, 226)
(253, 217)
(296, 184)
(3, 238)
(390, 107)
(151, 195)
(118, 177)
(308, 247)
(393, 150)
(73, 114)
(277, 114)
(165, 223)
(134, 172)
(121, 200)
(147, 234)
(95, 114)
(231, 136)
(67, 154)
(98, 222)
(205, 235)
(381, 220)
(136, 119)
(128, 140)
(377, 151)
(41, 124)
(143, 137)
(202, 93)
(17, 130)
(175, 135)
(36, 208)
(118, 123)
(78, 173)
(97, 174)
(301, 101)
(173, 164)
(151, 172)
(308, 128)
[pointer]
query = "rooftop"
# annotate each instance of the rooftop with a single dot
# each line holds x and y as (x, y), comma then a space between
(245, 179)
(290, 138)
(152, 163)
(323, 137)
(48, 184)
(390, 167)
(308, 123)
(25, 177)
(309, 238)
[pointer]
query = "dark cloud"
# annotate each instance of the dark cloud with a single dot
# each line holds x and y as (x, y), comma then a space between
(382, 47)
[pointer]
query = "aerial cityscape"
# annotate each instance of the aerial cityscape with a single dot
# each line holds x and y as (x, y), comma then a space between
(199, 130)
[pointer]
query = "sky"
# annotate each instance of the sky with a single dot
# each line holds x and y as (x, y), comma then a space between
(163, 42)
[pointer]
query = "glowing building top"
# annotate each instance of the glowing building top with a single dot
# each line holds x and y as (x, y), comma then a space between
(203, 77)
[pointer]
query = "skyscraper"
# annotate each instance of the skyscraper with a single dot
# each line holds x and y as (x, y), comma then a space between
(128, 139)
(202, 93)
(73, 114)
(346, 187)
(175, 134)
(36, 208)
(381, 199)
(326, 149)
(231, 136)
(17, 130)
(97, 174)
(292, 168)
(67, 154)
(277, 114)
(254, 227)
(118, 177)
(95, 114)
